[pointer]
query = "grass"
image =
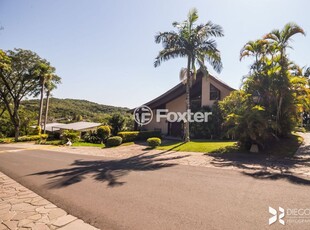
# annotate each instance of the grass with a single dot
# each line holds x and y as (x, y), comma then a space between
(205, 146)
(78, 144)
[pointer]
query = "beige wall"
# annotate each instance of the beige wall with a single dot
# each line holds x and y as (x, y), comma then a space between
(205, 97)
(179, 105)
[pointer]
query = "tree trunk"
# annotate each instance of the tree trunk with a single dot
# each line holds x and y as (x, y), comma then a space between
(46, 109)
(188, 105)
(16, 122)
(41, 105)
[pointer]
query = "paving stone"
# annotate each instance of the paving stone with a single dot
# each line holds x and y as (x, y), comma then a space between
(24, 222)
(40, 203)
(19, 200)
(40, 227)
(78, 224)
(7, 216)
(12, 225)
(55, 213)
(5, 206)
(23, 207)
(23, 215)
(3, 227)
(43, 210)
(44, 219)
(35, 217)
(3, 211)
(50, 206)
(61, 221)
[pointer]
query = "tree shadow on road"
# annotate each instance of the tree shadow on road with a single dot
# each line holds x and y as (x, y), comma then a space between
(109, 171)
(266, 166)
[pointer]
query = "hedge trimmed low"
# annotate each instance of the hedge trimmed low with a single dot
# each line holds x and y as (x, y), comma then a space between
(24, 138)
(138, 135)
(33, 137)
(114, 141)
(154, 141)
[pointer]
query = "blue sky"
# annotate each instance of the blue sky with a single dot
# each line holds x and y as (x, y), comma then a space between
(104, 50)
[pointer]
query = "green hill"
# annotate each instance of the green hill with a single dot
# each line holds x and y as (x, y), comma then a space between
(63, 110)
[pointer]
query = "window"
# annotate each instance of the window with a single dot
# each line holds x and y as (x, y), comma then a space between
(215, 93)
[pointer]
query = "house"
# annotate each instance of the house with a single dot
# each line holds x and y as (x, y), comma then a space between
(204, 92)
(81, 126)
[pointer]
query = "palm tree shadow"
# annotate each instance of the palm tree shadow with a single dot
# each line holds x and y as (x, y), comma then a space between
(264, 166)
(109, 171)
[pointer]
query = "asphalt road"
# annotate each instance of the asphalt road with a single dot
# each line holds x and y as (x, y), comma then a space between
(144, 193)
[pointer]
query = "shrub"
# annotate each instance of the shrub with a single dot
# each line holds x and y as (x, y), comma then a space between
(73, 136)
(33, 138)
(92, 137)
(117, 122)
(138, 135)
(103, 132)
(153, 141)
(114, 141)
(6, 140)
(129, 136)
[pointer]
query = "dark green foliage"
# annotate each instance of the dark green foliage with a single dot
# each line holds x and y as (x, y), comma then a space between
(211, 129)
(117, 122)
(92, 137)
(114, 141)
(103, 132)
(130, 136)
(153, 142)
(74, 109)
(71, 135)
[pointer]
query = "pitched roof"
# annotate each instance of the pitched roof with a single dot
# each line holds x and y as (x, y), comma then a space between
(78, 126)
(180, 89)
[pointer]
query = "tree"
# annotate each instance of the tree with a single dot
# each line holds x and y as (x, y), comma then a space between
(194, 43)
(50, 84)
(17, 80)
(117, 122)
(280, 39)
(44, 71)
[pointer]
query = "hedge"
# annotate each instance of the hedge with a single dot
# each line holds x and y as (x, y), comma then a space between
(33, 137)
(138, 135)
(24, 138)
(153, 142)
(114, 141)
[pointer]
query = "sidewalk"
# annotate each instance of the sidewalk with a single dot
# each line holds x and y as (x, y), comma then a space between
(21, 208)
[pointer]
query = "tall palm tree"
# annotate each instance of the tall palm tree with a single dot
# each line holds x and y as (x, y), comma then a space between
(280, 39)
(43, 70)
(51, 83)
(193, 42)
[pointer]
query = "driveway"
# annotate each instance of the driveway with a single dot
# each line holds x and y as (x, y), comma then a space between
(151, 191)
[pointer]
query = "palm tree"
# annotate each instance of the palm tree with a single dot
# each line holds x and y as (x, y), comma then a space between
(51, 83)
(43, 70)
(281, 39)
(194, 43)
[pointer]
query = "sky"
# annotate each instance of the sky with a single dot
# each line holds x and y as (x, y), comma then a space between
(104, 50)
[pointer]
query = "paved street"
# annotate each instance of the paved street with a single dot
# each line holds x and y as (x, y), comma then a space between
(147, 192)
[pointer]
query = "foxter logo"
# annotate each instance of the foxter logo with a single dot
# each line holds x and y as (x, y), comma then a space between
(275, 215)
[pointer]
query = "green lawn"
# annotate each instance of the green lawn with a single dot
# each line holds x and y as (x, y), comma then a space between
(87, 144)
(206, 146)
(76, 144)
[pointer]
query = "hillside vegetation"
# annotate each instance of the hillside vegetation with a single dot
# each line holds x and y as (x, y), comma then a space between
(62, 110)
